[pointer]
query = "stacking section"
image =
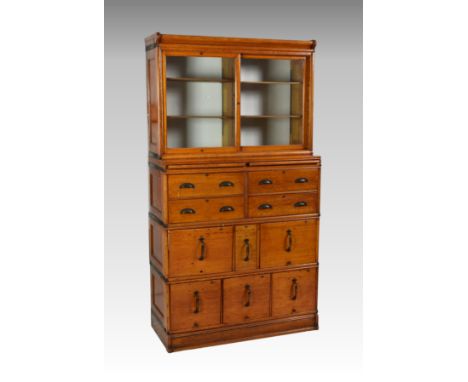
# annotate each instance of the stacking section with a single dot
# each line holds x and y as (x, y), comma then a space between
(234, 189)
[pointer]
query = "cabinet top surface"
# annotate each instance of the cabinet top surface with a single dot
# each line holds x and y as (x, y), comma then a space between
(172, 39)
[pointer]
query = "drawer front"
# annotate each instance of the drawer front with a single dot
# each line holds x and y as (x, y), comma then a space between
(245, 247)
(199, 185)
(302, 179)
(200, 251)
(288, 243)
(285, 204)
(197, 210)
(294, 292)
(246, 299)
(195, 305)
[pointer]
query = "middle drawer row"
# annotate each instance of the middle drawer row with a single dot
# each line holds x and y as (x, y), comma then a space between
(224, 249)
(231, 208)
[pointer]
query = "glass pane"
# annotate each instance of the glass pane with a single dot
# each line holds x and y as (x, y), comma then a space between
(271, 102)
(200, 101)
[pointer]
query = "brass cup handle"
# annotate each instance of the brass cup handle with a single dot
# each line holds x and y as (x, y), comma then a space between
(187, 185)
(247, 250)
(288, 240)
(226, 183)
(187, 211)
(294, 287)
(196, 297)
(300, 204)
(301, 180)
(202, 248)
(226, 209)
(265, 182)
(248, 295)
(265, 206)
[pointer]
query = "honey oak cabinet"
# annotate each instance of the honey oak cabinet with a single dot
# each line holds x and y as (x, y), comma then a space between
(234, 188)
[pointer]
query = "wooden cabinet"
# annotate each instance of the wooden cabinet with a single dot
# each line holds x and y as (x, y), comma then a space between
(234, 189)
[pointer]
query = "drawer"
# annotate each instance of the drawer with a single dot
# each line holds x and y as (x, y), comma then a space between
(195, 305)
(296, 179)
(200, 251)
(245, 247)
(294, 292)
(199, 185)
(288, 243)
(197, 210)
(284, 204)
(246, 299)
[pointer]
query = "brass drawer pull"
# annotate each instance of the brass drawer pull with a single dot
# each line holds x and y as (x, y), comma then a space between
(202, 248)
(264, 182)
(248, 293)
(226, 209)
(265, 206)
(301, 180)
(196, 296)
(187, 211)
(300, 204)
(288, 240)
(247, 250)
(226, 183)
(187, 185)
(294, 287)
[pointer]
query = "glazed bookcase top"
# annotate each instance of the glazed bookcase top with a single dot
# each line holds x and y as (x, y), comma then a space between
(228, 98)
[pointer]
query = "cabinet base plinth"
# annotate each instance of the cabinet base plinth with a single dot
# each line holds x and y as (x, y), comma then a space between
(225, 335)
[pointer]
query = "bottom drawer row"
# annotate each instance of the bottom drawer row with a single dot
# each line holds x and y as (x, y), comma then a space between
(205, 304)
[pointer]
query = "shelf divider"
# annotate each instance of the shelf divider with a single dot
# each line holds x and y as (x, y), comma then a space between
(198, 79)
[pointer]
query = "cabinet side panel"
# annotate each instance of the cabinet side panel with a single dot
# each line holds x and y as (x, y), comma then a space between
(158, 246)
(152, 84)
(157, 193)
(159, 296)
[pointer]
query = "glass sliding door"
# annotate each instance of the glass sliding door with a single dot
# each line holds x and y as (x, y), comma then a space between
(200, 101)
(272, 102)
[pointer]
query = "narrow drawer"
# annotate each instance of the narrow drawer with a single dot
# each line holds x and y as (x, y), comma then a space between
(297, 179)
(288, 243)
(200, 185)
(197, 210)
(195, 305)
(200, 251)
(283, 204)
(294, 292)
(245, 247)
(246, 299)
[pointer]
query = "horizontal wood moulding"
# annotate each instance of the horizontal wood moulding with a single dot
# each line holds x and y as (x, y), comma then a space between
(225, 335)
(227, 275)
(171, 40)
(227, 162)
(287, 156)
(256, 220)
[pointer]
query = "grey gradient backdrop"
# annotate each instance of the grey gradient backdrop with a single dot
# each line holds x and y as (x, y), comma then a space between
(132, 349)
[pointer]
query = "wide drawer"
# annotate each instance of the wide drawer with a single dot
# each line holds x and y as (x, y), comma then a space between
(297, 179)
(294, 292)
(197, 210)
(283, 204)
(195, 305)
(200, 251)
(199, 185)
(288, 243)
(246, 299)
